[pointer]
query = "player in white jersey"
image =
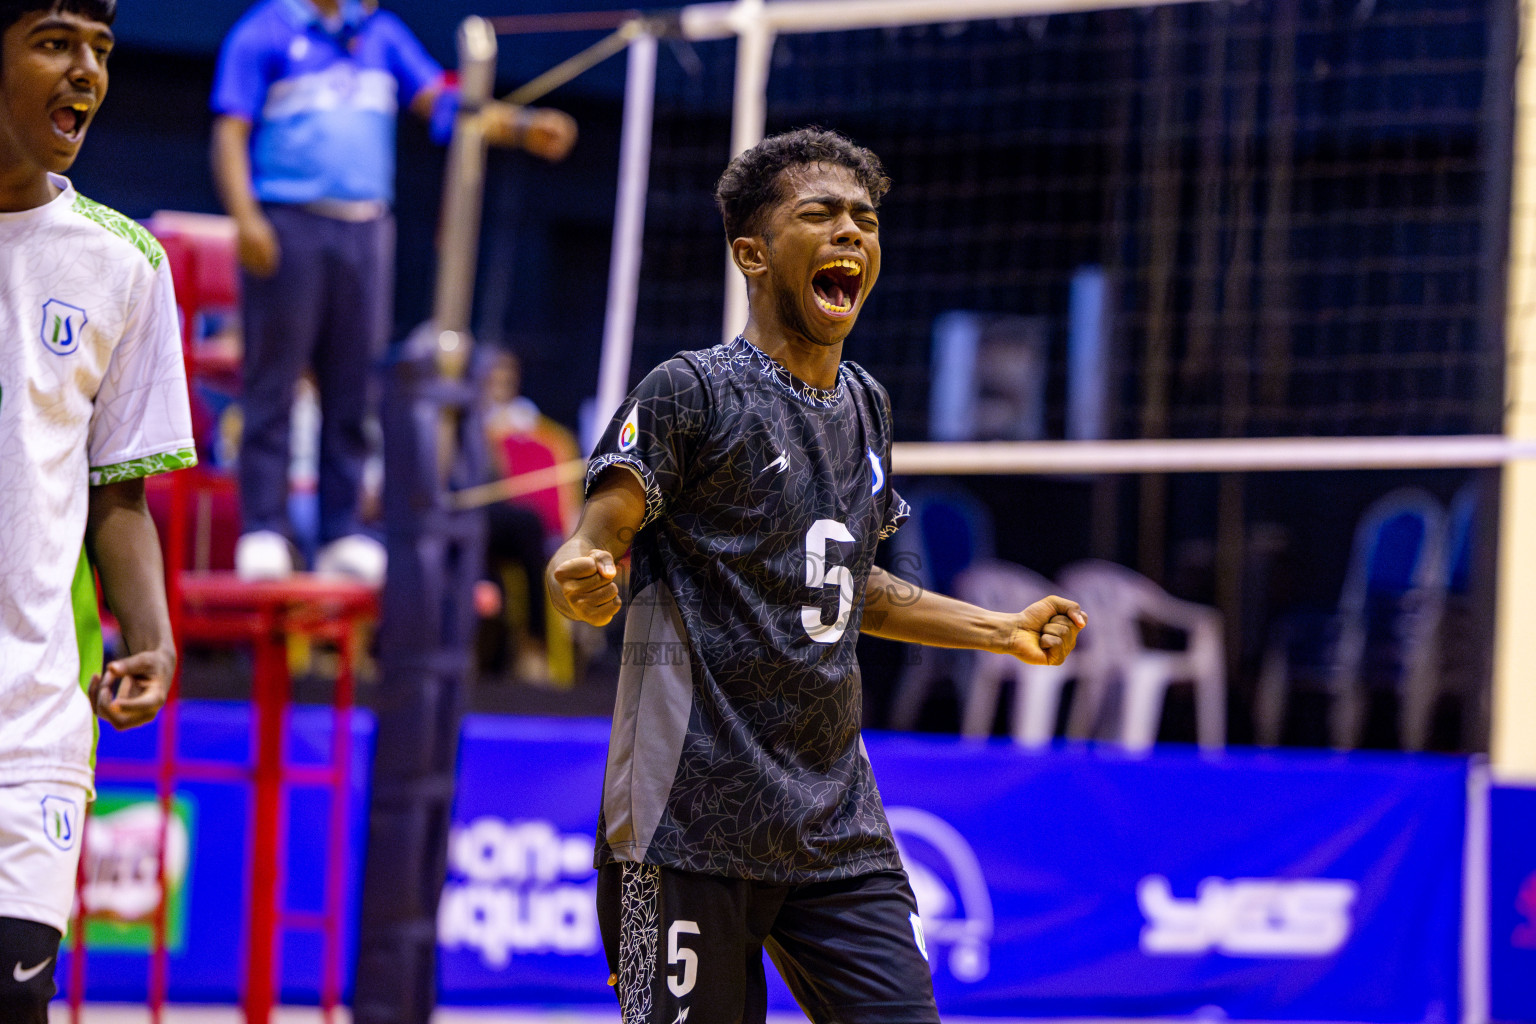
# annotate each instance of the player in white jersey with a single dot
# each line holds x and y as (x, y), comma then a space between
(93, 398)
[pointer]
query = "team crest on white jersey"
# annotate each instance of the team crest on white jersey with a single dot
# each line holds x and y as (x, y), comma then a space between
(62, 324)
(876, 472)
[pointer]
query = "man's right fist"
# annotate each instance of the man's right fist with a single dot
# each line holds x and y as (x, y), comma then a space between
(588, 587)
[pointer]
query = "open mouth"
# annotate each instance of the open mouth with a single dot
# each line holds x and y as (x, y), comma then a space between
(836, 286)
(70, 120)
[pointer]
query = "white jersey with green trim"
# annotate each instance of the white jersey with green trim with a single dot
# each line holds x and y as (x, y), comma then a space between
(92, 391)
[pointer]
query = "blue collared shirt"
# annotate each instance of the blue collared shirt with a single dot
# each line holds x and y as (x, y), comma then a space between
(322, 98)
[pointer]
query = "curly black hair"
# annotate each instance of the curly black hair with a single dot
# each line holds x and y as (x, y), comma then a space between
(754, 181)
(12, 11)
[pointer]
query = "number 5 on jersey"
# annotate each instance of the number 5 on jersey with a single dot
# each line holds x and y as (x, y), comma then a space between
(817, 575)
(688, 974)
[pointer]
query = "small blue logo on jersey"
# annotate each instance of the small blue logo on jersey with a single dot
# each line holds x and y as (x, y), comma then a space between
(62, 324)
(876, 472)
(59, 815)
(917, 933)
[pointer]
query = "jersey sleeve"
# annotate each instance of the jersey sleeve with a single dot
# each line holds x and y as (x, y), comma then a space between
(142, 423)
(656, 434)
(410, 63)
(240, 80)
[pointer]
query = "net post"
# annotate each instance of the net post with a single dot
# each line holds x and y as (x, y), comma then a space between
(749, 118)
(463, 192)
(435, 549)
(628, 227)
(1514, 682)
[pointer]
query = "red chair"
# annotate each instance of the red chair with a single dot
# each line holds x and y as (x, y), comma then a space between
(199, 511)
(206, 268)
(545, 446)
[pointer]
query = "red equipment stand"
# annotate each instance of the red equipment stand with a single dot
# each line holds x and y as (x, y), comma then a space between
(218, 608)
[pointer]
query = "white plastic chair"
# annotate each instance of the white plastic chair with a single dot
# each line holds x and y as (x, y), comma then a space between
(1459, 655)
(1114, 655)
(1005, 586)
(1410, 573)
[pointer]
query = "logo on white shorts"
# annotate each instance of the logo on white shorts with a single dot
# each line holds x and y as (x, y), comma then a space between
(59, 814)
(26, 974)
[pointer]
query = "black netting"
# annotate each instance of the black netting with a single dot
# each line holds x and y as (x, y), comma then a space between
(1299, 205)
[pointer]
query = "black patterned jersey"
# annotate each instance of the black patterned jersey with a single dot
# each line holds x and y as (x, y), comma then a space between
(735, 748)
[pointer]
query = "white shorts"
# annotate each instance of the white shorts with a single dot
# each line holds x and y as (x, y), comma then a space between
(40, 850)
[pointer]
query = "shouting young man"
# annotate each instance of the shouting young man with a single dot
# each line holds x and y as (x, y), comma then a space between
(749, 484)
(93, 398)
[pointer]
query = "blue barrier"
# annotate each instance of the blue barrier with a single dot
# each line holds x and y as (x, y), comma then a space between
(1512, 904)
(1072, 883)
(1076, 882)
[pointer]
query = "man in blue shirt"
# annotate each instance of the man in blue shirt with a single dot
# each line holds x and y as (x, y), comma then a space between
(305, 97)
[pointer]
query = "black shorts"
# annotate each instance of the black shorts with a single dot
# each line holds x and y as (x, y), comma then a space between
(683, 946)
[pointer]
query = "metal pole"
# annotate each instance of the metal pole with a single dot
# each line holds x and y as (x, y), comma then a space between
(628, 228)
(1514, 681)
(431, 445)
(463, 191)
(749, 118)
(721, 20)
(1213, 455)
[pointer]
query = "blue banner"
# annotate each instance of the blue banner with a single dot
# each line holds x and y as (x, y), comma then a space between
(1069, 883)
(209, 863)
(1078, 884)
(1512, 904)
(518, 918)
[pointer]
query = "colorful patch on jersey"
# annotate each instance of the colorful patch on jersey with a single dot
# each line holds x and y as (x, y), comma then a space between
(877, 472)
(62, 324)
(60, 820)
(629, 433)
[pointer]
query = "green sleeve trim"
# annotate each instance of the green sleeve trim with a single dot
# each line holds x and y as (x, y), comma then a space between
(149, 465)
(82, 599)
(124, 227)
